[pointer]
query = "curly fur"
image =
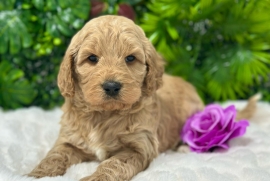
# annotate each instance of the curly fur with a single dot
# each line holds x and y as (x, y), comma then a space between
(124, 133)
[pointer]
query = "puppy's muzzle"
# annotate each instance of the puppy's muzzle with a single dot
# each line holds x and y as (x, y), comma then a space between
(111, 88)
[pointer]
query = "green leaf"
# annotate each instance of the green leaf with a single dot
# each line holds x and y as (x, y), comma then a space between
(205, 3)
(4, 42)
(7, 4)
(172, 32)
(262, 56)
(51, 28)
(13, 33)
(15, 42)
(260, 45)
(66, 15)
(62, 26)
(210, 11)
(39, 4)
(26, 6)
(81, 9)
(78, 23)
(154, 37)
(51, 4)
(4, 67)
(27, 40)
(65, 3)
(14, 74)
(15, 91)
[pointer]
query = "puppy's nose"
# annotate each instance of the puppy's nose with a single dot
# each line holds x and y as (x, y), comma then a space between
(112, 88)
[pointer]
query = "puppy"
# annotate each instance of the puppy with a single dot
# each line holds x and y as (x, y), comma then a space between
(119, 107)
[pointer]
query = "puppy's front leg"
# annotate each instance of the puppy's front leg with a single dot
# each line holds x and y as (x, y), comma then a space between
(128, 162)
(59, 158)
(122, 166)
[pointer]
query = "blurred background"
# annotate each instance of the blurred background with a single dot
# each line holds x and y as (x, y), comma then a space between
(220, 46)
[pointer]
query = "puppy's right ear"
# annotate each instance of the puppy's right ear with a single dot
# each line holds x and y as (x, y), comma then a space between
(65, 80)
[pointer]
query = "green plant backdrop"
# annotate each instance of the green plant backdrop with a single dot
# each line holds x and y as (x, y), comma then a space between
(220, 46)
(33, 37)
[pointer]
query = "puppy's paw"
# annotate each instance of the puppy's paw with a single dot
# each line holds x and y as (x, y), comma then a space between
(183, 149)
(38, 174)
(34, 174)
(48, 168)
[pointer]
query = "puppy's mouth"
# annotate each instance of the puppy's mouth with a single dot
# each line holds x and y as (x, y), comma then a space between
(115, 98)
(113, 105)
(112, 100)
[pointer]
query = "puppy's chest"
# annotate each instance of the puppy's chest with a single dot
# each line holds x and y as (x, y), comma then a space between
(99, 140)
(97, 144)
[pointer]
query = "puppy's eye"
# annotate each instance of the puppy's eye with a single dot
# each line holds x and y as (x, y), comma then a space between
(130, 58)
(93, 58)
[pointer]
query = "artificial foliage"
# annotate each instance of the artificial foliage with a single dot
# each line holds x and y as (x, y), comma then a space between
(34, 35)
(221, 46)
(15, 89)
(132, 9)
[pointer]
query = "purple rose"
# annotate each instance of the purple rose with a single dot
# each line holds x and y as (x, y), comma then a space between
(212, 128)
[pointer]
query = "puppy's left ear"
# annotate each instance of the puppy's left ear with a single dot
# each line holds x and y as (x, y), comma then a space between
(155, 69)
(65, 76)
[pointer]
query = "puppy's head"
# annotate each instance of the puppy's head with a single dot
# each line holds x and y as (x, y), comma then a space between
(113, 64)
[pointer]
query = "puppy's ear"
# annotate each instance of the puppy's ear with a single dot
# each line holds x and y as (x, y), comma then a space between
(155, 69)
(65, 79)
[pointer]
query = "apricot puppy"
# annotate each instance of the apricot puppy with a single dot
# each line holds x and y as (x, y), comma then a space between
(116, 108)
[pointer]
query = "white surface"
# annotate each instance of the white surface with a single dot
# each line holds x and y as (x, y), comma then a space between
(26, 135)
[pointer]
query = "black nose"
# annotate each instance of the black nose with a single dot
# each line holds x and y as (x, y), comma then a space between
(112, 88)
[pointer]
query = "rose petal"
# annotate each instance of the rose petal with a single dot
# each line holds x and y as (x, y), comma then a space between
(224, 145)
(214, 109)
(216, 114)
(220, 138)
(196, 125)
(230, 113)
(197, 122)
(204, 138)
(204, 125)
(188, 138)
(186, 127)
(239, 129)
(199, 149)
